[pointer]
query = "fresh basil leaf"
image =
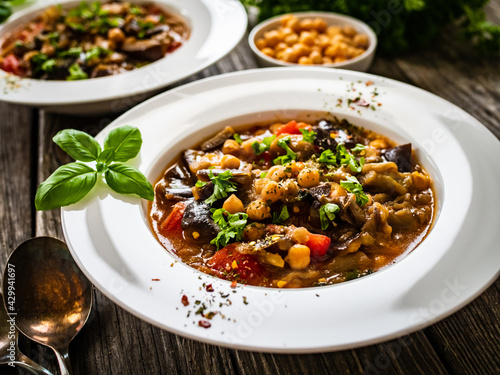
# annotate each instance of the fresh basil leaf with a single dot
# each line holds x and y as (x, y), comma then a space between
(79, 145)
(67, 185)
(125, 141)
(125, 179)
(106, 156)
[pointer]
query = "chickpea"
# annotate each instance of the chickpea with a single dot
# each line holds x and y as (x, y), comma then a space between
(355, 52)
(299, 257)
(360, 40)
(306, 38)
(307, 24)
(272, 38)
(333, 30)
(300, 235)
(285, 19)
(323, 40)
(281, 46)
(48, 49)
(327, 60)
(247, 146)
(259, 184)
(230, 162)
(261, 43)
(420, 181)
(296, 167)
(293, 24)
(291, 187)
(285, 31)
(349, 31)
(339, 59)
(268, 51)
(319, 25)
(254, 231)
(308, 177)
(304, 60)
(231, 147)
(233, 205)
(258, 210)
(315, 57)
(291, 39)
(379, 143)
(271, 192)
(276, 173)
(289, 55)
(116, 35)
(301, 49)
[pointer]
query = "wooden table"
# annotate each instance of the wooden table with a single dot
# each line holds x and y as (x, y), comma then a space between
(115, 342)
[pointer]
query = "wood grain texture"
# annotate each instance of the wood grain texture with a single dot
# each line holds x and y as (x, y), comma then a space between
(115, 342)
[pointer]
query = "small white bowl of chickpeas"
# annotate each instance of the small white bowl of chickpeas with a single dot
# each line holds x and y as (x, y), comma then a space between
(314, 38)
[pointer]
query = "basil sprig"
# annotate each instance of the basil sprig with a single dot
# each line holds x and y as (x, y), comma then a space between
(71, 182)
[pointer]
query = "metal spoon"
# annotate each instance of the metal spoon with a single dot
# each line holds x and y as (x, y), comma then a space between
(9, 351)
(53, 297)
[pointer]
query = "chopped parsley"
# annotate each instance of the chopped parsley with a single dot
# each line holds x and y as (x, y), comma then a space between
(343, 157)
(263, 146)
(358, 148)
(222, 186)
(290, 155)
(230, 229)
(237, 138)
(308, 135)
(96, 52)
(327, 214)
(76, 73)
(72, 52)
(284, 215)
(49, 65)
(352, 185)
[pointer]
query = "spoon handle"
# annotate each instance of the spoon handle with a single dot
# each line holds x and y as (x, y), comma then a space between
(63, 359)
(31, 366)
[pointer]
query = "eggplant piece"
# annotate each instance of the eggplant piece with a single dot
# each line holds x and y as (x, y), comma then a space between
(150, 50)
(179, 171)
(191, 156)
(218, 139)
(206, 191)
(401, 155)
(157, 29)
(320, 191)
(197, 219)
(178, 194)
(323, 139)
(104, 70)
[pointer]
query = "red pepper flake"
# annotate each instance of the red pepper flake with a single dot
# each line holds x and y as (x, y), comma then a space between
(155, 279)
(233, 284)
(209, 288)
(379, 104)
(369, 83)
(204, 324)
(185, 300)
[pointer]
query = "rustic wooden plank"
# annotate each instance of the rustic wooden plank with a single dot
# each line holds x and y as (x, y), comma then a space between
(17, 135)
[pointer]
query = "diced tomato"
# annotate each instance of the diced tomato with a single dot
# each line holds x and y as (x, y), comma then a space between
(173, 222)
(318, 244)
(292, 128)
(10, 64)
(229, 264)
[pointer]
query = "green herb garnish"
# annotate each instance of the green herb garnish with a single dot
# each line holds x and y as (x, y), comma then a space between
(72, 52)
(76, 73)
(49, 65)
(237, 138)
(263, 146)
(327, 213)
(284, 215)
(230, 229)
(71, 182)
(222, 186)
(290, 155)
(358, 148)
(308, 135)
(342, 157)
(352, 185)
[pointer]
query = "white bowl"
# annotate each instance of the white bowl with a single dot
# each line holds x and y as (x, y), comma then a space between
(216, 27)
(360, 63)
(110, 238)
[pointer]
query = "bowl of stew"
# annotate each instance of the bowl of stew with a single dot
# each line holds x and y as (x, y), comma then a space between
(290, 215)
(105, 56)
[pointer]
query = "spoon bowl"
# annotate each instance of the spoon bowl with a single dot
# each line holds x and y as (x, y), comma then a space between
(53, 298)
